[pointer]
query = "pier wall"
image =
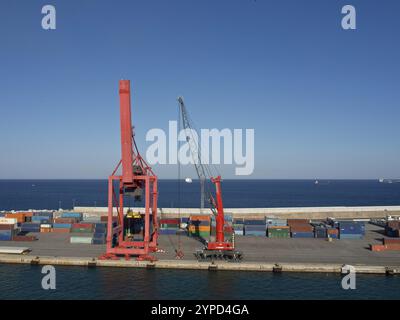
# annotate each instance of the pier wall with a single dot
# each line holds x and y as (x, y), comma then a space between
(285, 213)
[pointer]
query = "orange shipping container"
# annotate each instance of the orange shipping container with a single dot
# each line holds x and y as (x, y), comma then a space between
(279, 227)
(378, 247)
(45, 230)
(60, 230)
(19, 216)
(199, 228)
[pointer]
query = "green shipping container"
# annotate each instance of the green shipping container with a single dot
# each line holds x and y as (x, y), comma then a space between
(278, 233)
(169, 226)
(81, 230)
(81, 240)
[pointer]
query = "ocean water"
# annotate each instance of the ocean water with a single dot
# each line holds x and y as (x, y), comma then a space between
(24, 281)
(53, 194)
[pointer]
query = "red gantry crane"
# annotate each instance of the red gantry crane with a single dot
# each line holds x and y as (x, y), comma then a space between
(220, 248)
(136, 176)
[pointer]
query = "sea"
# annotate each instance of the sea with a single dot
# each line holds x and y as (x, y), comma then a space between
(24, 281)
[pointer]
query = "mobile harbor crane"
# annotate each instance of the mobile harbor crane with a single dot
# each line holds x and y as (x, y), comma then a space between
(136, 176)
(220, 248)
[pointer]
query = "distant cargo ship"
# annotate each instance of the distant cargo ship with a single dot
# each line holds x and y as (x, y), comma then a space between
(382, 180)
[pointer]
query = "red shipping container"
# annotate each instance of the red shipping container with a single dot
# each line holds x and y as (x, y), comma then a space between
(6, 227)
(392, 247)
(170, 221)
(298, 221)
(66, 220)
(82, 225)
(24, 238)
(391, 241)
(301, 228)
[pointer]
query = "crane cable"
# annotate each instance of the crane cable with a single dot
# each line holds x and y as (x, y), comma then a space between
(178, 252)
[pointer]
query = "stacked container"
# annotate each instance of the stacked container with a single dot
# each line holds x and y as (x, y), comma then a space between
(45, 228)
(320, 231)
(277, 228)
(255, 227)
(278, 232)
(100, 233)
(200, 226)
(82, 233)
(20, 216)
(169, 226)
(275, 222)
(392, 228)
(64, 223)
(61, 227)
(7, 229)
(30, 227)
(228, 229)
(351, 229)
(238, 226)
(332, 232)
(300, 228)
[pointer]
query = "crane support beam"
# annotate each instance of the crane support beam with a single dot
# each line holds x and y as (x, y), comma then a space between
(126, 130)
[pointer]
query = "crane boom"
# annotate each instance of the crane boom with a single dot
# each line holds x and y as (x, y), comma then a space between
(191, 139)
(219, 247)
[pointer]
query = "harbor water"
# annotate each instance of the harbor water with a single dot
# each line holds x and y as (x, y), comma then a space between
(24, 281)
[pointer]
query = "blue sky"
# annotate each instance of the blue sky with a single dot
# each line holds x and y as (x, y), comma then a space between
(324, 102)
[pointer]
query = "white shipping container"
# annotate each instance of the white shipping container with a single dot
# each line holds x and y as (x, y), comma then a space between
(8, 221)
(45, 225)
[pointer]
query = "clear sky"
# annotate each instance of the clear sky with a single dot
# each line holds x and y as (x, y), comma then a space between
(324, 102)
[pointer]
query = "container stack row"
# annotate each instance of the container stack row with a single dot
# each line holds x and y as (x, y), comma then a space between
(392, 228)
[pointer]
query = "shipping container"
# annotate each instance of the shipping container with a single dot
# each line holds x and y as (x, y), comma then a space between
(61, 230)
(302, 234)
(278, 231)
(6, 235)
(81, 239)
(8, 221)
(254, 222)
(62, 225)
(66, 220)
(276, 222)
(24, 238)
(350, 236)
(72, 215)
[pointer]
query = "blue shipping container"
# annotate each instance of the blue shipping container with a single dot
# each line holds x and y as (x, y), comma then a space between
(254, 222)
(302, 234)
(71, 215)
(351, 236)
(62, 225)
